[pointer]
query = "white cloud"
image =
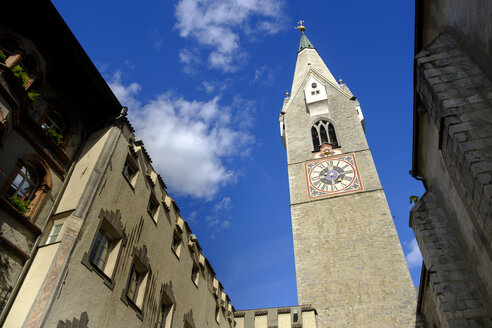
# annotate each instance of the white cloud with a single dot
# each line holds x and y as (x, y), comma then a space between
(209, 87)
(216, 225)
(125, 94)
(212, 221)
(224, 204)
(264, 75)
(192, 217)
(217, 24)
(413, 257)
(156, 39)
(187, 140)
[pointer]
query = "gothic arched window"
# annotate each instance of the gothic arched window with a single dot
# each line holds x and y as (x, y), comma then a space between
(323, 132)
(316, 140)
(333, 136)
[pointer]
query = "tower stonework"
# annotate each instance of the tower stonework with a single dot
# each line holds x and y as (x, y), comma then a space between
(349, 261)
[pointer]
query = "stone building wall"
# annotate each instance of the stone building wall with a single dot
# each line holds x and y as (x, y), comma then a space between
(452, 155)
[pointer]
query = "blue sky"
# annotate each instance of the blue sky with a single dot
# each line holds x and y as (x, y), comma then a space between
(204, 81)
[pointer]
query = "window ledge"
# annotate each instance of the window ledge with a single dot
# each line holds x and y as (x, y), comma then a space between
(128, 181)
(49, 244)
(13, 248)
(175, 253)
(92, 267)
(57, 149)
(134, 306)
(24, 220)
(152, 217)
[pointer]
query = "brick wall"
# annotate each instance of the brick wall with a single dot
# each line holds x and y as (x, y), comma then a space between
(459, 99)
(451, 297)
(453, 222)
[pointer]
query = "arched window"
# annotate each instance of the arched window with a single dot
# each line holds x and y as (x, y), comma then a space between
(316, 140)
(24, 65)
(333, 136)
(320, 135)
(7, 47)
(24, 185)
(28, 185)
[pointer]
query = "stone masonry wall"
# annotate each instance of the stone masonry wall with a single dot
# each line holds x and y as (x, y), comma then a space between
(349, 263)
(458, 98)
(451, 297)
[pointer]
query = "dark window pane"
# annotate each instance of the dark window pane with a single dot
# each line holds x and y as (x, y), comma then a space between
(322, 132)
(333, 136)
(314, 135)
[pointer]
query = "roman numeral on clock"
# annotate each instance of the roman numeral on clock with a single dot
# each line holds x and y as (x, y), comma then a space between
(331, 176)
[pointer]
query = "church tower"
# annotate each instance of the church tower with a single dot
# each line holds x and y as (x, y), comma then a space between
(349, 261)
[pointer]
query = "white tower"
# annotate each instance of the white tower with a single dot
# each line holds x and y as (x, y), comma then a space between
(349, 261)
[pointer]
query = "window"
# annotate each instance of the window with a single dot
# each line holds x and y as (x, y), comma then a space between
(152, 207)
(109, 239)
(100, 250)
(166, 315)
(130, 170)
(8, 51)
(176, 245)
(23, 64)
(137, 283)
(105, 249)
(333, 136)
(55, 127)
(54, 233)
(134, 284)
(217, 313)
(295, 316)
(26, 187)
(323, 132)
(195, 274)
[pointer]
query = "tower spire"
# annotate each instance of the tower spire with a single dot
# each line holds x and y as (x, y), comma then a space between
(304, 43)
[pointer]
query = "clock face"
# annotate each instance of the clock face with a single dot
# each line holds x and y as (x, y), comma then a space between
(332, 175)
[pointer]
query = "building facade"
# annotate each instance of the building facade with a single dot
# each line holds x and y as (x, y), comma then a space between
(89, 234)
(91, 237)
(344, 235)
(452, 153)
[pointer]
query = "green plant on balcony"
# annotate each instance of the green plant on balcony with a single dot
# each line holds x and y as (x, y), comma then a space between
(3, 57)
(57, 137)
(20, 204)
(32, 95)
(20, 74)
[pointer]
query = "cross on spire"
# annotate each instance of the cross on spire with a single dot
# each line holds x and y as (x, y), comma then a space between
(301, 27)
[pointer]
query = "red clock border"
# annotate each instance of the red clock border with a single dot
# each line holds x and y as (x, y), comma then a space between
(328, 194)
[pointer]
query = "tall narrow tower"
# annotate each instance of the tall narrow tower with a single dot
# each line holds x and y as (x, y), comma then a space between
(349, 261)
